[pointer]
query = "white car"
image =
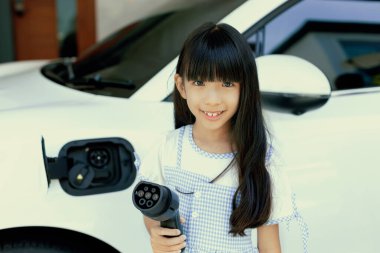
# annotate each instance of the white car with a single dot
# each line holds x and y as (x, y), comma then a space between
(71, 129)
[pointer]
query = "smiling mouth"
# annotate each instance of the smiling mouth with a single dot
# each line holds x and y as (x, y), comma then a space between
(213, 114)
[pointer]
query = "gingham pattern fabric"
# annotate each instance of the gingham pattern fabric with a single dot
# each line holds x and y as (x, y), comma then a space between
(206, 210)
(295, 216)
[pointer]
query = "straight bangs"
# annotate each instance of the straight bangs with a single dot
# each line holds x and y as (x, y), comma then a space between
(214, 58)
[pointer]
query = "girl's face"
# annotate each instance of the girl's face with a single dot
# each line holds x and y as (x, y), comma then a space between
(213, 103)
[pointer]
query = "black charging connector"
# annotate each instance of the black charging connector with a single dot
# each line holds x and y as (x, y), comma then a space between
(159, 203)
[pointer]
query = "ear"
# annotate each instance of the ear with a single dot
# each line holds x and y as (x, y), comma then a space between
(180, 84)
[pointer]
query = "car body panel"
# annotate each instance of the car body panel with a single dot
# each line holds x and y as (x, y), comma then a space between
(50, 205)
(329, 154)
(12, 68)
(24, 88)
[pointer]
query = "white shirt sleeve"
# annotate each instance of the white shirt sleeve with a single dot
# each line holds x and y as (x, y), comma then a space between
(151, 164)
(282, 205)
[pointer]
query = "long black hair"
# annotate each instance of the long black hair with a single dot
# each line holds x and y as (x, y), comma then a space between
(220, 52)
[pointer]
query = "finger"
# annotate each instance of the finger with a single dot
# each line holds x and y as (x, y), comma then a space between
(160, 251)
(175, 240)
(170, 248)
(159, 231)
(182, 220)
(175, 251)
(168, 241)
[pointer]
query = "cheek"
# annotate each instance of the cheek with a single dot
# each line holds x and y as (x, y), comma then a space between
(192, 102)
(233, 99)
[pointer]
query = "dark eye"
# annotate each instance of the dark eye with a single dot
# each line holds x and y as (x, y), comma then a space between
(198, 83)
(228, 84)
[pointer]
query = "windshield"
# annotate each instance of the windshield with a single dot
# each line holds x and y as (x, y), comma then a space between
(126, 60)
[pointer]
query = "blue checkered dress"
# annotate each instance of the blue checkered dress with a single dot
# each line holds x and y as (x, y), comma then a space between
(207, 207)
(207, 211)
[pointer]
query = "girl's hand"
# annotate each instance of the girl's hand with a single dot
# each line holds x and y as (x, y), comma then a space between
(161, 243)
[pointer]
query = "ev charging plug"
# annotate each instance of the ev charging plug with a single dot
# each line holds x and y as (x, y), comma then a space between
(158, 203)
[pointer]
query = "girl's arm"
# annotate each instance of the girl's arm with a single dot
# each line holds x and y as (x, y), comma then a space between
(158, 237)
(268, 239)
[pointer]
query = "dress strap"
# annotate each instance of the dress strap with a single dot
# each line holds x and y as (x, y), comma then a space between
(179, 146)
(302, 224)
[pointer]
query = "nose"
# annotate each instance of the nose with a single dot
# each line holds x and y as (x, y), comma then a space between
(212, 94)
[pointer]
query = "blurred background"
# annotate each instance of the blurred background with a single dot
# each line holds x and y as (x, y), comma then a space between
(48, 29)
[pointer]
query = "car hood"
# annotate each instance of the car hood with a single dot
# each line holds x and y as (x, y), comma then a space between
(22, 85)
(12, 68)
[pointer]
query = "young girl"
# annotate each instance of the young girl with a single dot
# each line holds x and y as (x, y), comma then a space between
(219, 159)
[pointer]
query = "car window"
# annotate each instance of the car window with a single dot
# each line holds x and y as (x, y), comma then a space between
(342, 38)
(122, 63)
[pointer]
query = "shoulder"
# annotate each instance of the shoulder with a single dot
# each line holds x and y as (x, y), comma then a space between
(282, 207)
(281, 189)
(274, 166)
(271, 144)
(162, 154)
(172, 137)
(269, 153)
(168, 138)
(170, 145)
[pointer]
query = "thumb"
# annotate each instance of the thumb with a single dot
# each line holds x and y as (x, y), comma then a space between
(182, 220)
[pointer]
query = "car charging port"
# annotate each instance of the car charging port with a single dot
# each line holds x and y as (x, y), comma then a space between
(93, 166)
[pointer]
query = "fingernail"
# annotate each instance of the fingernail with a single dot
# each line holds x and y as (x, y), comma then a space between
(184, 237)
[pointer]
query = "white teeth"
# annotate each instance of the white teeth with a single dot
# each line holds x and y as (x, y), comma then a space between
(212, 114)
